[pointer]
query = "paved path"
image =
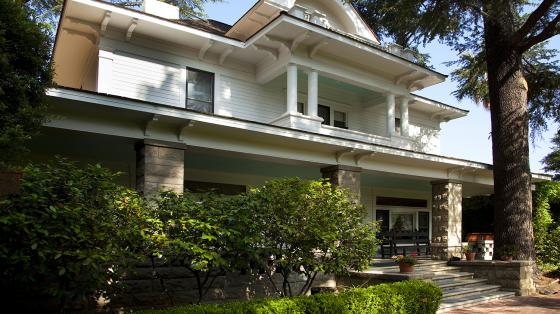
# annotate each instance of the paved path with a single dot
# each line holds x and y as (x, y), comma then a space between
(532, 305)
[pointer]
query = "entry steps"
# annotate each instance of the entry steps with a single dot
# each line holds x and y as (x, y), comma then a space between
(460, 289)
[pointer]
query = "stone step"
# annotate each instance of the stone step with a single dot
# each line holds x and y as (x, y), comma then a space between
(449, 283)
(458, 302)
(452, 275)
(469, 290)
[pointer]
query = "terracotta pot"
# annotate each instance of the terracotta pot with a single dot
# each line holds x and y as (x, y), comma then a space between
(470, 256)
(10, 182)
(406, 268)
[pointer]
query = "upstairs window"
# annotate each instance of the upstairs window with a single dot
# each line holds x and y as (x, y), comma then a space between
(340, 119)
(200, 90)
(325, 113)
(398, 126)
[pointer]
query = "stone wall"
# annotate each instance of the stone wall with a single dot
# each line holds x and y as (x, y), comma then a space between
(167, 286)
(514, 276)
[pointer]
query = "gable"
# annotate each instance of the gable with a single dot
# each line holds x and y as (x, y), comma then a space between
(337, 15)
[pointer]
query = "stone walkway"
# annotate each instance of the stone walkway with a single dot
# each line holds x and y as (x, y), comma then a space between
(532, 305)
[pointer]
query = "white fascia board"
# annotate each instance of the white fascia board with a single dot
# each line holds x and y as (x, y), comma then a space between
(157, 20)
(453, 112)
(129, 104)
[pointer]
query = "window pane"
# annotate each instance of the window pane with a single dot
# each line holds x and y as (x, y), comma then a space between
(398, 126)
(199, 105)
(199, 85)
(325, 113)
(403, 222)
(383, 217)
(340, 119)
(300, 107)
(423, 221)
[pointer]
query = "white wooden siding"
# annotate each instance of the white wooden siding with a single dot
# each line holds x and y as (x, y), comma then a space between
(146, 79)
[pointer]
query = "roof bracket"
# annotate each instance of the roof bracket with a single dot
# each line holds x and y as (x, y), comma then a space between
(225, 54)
(270, 51)
(204, 49)
(313, 51)
(416, 84)
(131, 28)
(298, 40)
(105, 21)
(181, 132)
(359, 157)
(403, 77)
(149, 125)
(338, 155)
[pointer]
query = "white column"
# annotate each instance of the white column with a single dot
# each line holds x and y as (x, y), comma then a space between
(105, 72)
(390, 114)
(292, 88)
(404, 116)
(312, 93)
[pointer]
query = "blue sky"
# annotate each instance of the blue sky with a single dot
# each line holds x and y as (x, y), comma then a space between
(467, 137)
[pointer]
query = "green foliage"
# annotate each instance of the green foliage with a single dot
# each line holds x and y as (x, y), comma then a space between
(70, 233)
(191, 231)
(552, 160)
(402, 297)
(405, 259)
(545, 229)
(26, 74)
(310, 227)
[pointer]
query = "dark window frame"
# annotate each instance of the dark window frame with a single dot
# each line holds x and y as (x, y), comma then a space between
(345, 126)
(328, 116)
(213, 85)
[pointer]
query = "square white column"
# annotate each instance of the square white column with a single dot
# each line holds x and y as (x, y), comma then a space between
(312, 93)
(292, 89)
(404, 116)
(390, 114)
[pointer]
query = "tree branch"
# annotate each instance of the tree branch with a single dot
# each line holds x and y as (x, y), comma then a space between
(531, 21)
(548, 31)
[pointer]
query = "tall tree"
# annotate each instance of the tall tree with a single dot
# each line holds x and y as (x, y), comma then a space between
(501, 42)
(25, 74)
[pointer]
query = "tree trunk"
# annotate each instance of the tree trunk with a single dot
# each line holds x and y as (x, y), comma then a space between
(510, 129)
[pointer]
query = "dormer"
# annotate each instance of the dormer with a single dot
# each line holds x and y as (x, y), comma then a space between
(336, 15)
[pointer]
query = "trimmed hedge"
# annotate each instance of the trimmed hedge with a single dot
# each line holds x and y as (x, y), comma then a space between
(401, 297)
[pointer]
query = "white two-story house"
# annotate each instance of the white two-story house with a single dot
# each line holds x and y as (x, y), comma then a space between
(294, 88)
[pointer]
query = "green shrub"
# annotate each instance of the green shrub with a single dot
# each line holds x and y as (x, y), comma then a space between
(310, 227)
(70, 233)
(407, 297)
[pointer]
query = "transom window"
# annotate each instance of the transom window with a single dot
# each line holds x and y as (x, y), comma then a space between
(340, 119)
(200, 90)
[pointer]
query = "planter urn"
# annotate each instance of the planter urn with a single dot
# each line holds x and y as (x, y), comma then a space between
(406, 268)
(470, 256)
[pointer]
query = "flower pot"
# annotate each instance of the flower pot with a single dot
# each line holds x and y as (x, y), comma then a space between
(406, 268)
(10, 183)
(470, 256)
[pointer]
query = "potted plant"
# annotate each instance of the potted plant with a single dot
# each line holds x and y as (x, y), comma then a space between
(469, 254)
(508, 251)
(406, 263)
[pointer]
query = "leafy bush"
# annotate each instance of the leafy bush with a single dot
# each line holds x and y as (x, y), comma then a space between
(545, 229)
(310, 227)
(70, 233)
(402, 297)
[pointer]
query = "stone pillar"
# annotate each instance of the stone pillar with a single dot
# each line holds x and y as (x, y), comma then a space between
(292, 89)
(390, 114)
(159, 168)
(446, 218)
(404, 116)
(312, 93)
(346, 177)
